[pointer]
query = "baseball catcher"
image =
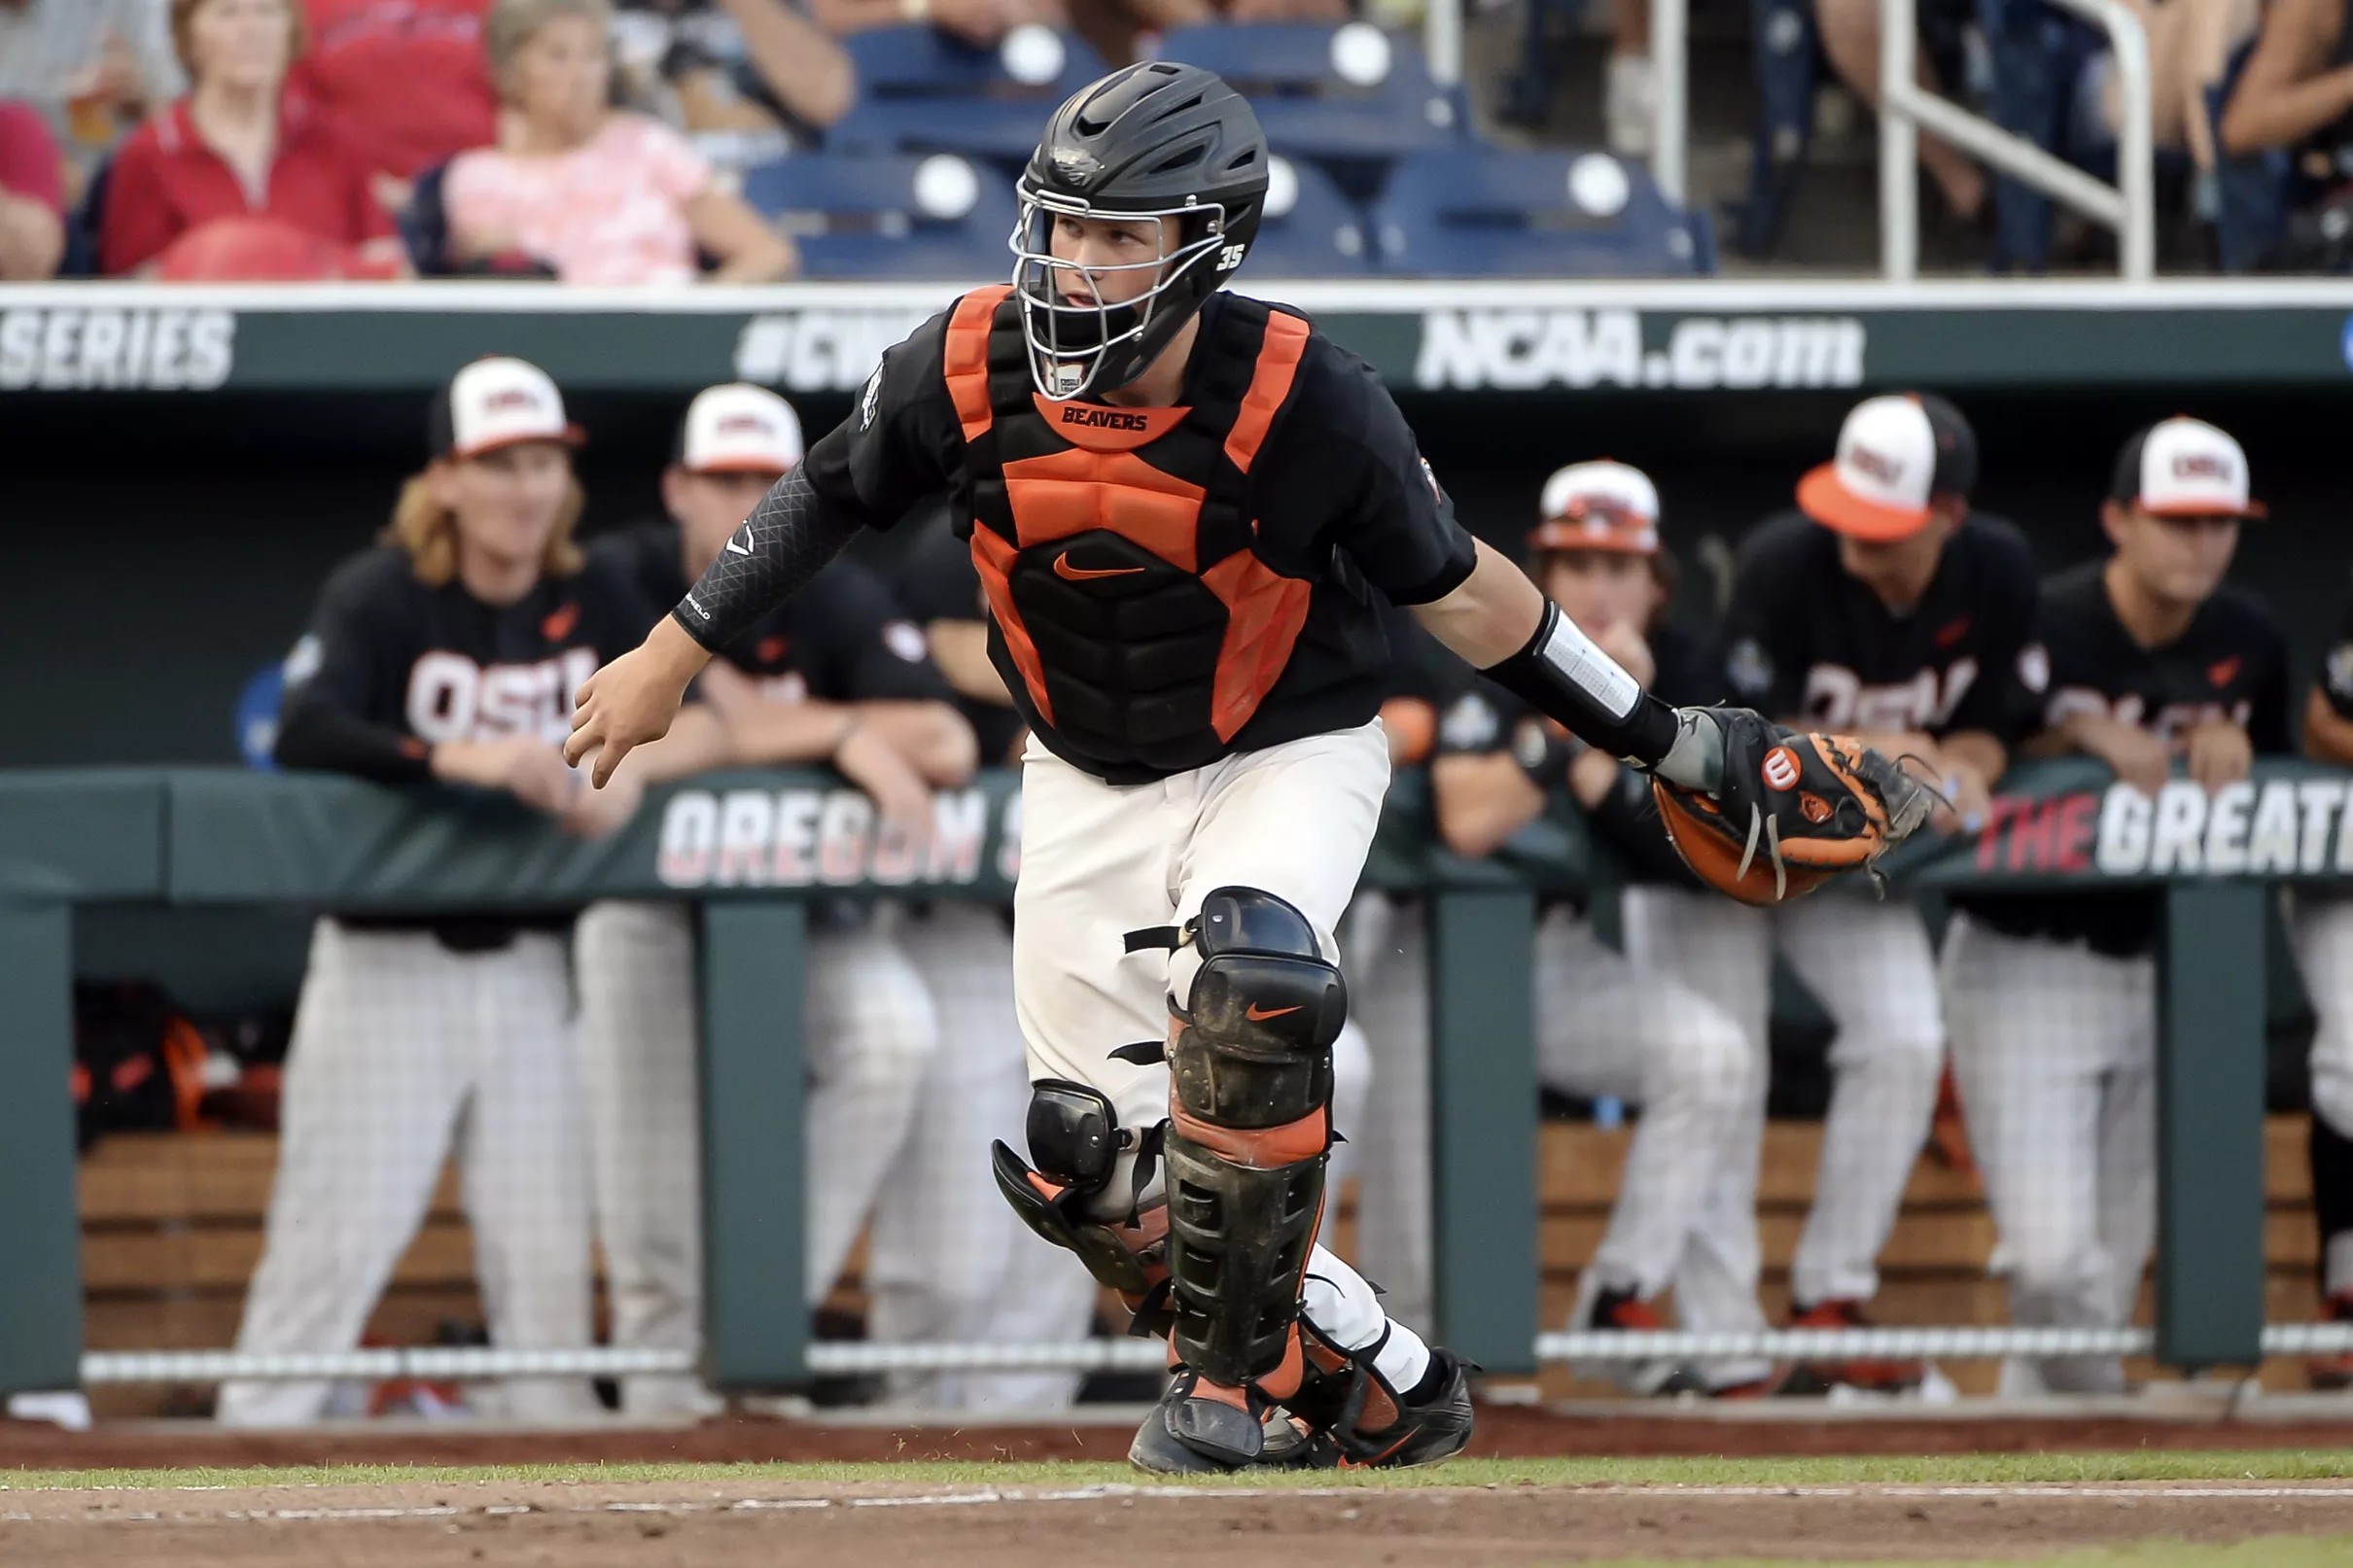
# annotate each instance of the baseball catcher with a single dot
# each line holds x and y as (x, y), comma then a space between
(1183, 506)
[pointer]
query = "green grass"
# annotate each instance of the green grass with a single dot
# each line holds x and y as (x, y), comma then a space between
(1942, 1470)
(2263, 1552)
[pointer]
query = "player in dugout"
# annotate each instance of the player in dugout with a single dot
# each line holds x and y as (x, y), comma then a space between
(449, 650)
(2146, 656)
(839, 677)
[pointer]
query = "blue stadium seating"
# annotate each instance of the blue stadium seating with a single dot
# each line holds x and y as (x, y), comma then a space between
(1309, 231)
(921, 90)
(1492, 212)
(1308, 107)
(888, 214)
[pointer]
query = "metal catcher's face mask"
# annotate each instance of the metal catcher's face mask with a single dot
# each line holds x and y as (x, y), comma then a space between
(1089, 329)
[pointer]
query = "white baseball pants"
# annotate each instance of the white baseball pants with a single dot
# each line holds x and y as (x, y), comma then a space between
(401, 1050)
(872, 1042)
(2054, 1050)
(2323, 927)
(1605, 1026)
(1870, 964)
(1100, 860)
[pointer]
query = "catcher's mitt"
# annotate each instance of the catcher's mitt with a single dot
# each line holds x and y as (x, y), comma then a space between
(1792, 810)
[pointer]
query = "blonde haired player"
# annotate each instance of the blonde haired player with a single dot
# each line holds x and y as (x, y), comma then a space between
(1182, 504)
(448, 652)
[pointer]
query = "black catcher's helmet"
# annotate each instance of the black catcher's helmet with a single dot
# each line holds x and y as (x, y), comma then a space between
(1156, 140)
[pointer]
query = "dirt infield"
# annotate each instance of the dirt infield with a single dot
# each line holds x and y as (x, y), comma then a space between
(1505, 1431)
(801, 1525)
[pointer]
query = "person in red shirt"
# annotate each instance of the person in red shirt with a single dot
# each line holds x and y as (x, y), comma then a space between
(406, 77)
(242, 151)
(32, 225)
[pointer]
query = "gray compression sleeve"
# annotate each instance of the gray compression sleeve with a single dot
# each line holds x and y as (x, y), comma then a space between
(788, 540)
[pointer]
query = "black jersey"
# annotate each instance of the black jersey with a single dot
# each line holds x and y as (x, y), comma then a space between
(936, 582)
(391, 665)
(843, 638)
(2337, 666)
(1478, 717)
(1339, 509)
(1806, 644)
(2230, 664)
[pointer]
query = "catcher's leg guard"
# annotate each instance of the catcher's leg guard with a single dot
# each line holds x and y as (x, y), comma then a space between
(1249, 1133)
(1076, 1140)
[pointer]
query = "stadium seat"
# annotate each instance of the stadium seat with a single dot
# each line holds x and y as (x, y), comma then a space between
(1351, 92)
(1309, 231)
(923, 90)
(1491, 211)
(257, 714)
(888, 214)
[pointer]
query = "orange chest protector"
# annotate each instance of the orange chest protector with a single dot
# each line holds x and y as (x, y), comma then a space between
(1132, 618)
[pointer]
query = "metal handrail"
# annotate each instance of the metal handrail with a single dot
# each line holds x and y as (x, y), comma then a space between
(1670, 72)
(2129, 206)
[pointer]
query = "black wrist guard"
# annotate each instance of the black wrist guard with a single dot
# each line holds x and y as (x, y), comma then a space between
(1565, 676)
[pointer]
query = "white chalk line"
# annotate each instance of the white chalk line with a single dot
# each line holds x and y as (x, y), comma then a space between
(1118, 1491)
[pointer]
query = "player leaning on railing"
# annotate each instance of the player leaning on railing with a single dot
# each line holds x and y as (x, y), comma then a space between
(1181, 503)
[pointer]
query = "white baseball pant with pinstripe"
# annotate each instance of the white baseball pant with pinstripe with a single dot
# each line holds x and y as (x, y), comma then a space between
(401, 1051)
(873, 1043)
(1605, 1026)
(2054, 1052)
(2323, 931)
(1870, 966)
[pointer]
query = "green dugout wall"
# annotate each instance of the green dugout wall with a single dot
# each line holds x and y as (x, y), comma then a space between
(750, 847)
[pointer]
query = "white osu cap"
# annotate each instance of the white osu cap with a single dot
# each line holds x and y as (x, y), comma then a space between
(1598, 506)
(1895, 454)
(2184, 468)
(739, 428)
(499, 401)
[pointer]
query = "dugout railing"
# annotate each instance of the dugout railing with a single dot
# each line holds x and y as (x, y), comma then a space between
(753, 848)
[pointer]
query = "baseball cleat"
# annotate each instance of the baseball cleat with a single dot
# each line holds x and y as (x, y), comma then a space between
(1875, 1376)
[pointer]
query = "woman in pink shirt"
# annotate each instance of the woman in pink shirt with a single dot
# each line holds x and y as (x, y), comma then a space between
(602, 195)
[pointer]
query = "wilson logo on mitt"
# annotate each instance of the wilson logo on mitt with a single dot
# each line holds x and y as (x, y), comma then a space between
(1827, 804)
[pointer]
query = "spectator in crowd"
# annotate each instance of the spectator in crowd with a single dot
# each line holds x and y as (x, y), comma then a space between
(240, 178)
(749, 80)
(1851, 38)
(448, 652)
(2190, 43)
(598, 195)
(405, 77)
(2297, 89)
(91, 68)
(983, 22)
(32, 222)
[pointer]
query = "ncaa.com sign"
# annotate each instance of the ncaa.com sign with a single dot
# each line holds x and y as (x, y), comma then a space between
(1519, 350)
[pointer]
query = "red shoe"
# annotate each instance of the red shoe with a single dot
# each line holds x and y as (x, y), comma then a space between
(1869, 1376)
(2334, 1374)
(1949, 1133)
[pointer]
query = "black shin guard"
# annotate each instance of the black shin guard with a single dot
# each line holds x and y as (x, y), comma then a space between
(1249, 1134)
